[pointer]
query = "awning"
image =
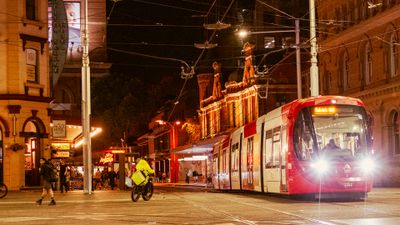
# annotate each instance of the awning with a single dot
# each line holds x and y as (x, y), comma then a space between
(199, 148)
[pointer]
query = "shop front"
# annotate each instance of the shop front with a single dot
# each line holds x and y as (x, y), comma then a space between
(192, 164)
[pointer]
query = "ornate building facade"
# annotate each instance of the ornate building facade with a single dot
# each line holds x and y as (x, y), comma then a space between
(24, 91)
(358, 56)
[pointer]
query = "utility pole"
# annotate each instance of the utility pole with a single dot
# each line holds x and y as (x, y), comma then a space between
(298, 63)
(87, 148)
(314, 79)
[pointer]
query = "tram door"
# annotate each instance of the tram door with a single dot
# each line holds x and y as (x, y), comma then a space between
(272, 166)
(283, 159)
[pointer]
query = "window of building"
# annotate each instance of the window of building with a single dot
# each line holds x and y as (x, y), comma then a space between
(269, 17)
(32, 71)
(326, 79)
(366, 63)
(394, 134)
(162, 142)
(245, 110)
(30, 7)
(343, 70)
(392, 51)
(233, 111)
(269, 42)
(253, 107)
(363, 9)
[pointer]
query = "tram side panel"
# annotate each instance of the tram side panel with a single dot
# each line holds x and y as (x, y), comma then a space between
(224, 181)
(235, 158)
(215, 168)
(221, 165)
(272, 153)
(250, 156)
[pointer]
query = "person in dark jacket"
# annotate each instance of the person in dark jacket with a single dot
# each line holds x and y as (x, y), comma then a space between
(47, 175)
(112, 176)
(63, 177)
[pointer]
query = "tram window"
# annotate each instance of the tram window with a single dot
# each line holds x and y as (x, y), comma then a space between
(276, 148)
(224, 162)
(235, 157)
(268, 149)
(347, 127)
(272, 147)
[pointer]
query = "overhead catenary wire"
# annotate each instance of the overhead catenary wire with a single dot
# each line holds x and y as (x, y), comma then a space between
(198, 59)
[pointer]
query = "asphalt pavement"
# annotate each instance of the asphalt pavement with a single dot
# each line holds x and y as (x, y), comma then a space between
(178, 203)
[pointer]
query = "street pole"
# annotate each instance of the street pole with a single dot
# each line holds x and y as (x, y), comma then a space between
(87, 148)
(314, 80)
(298, 64)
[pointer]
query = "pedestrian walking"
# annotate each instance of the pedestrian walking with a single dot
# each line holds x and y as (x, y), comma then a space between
(48, 176)
(97, 179)
(67, 178)
(112, 176)
(63, 178)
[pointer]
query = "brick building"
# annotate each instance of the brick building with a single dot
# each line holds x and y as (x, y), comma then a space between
(358, 57)
(24, 91)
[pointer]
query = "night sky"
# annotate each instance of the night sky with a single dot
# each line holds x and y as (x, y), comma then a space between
(167, 29)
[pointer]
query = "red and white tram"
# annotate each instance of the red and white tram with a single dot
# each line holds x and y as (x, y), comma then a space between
(283, 151)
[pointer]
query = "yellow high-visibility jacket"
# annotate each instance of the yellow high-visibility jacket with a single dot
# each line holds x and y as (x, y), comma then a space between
(145, 169)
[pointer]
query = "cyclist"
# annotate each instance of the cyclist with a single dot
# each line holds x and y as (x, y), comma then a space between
(143, 166)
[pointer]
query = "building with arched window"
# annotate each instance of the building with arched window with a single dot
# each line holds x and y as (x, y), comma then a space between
(24, 92)
(358, 57)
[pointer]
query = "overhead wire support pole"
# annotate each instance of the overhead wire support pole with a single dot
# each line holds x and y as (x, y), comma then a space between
(314, 79)
(86, 111)
(298, 58)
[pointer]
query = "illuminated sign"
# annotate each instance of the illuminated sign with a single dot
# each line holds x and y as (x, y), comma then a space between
(322, 110)
(61, 150)
(59, 129)
(61, 154)
(118, 151)
(61, 146)
(109, 157)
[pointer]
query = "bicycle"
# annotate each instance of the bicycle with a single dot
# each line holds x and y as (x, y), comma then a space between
(146, 191)
(3, 190)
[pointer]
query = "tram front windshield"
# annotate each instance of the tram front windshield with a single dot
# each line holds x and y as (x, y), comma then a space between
(334, 131)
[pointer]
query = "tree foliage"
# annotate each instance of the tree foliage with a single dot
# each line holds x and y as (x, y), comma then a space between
(125, 104)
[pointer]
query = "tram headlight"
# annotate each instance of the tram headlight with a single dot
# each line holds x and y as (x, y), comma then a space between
(367, 165)
(321, 166)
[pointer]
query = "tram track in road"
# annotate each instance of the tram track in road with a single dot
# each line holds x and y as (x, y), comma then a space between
(324, 209)
(291, 218)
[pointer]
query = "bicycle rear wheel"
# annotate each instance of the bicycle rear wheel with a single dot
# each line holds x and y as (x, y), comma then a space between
(3, 190)
(148, 191)
(135, 194)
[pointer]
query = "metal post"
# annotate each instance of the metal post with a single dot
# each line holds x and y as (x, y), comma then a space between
(298, 59)
(87, 151)
(314, 80)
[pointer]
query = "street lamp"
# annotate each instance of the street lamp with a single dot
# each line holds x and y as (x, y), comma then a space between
(296, 30)
(172, 126)
(173, 162)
